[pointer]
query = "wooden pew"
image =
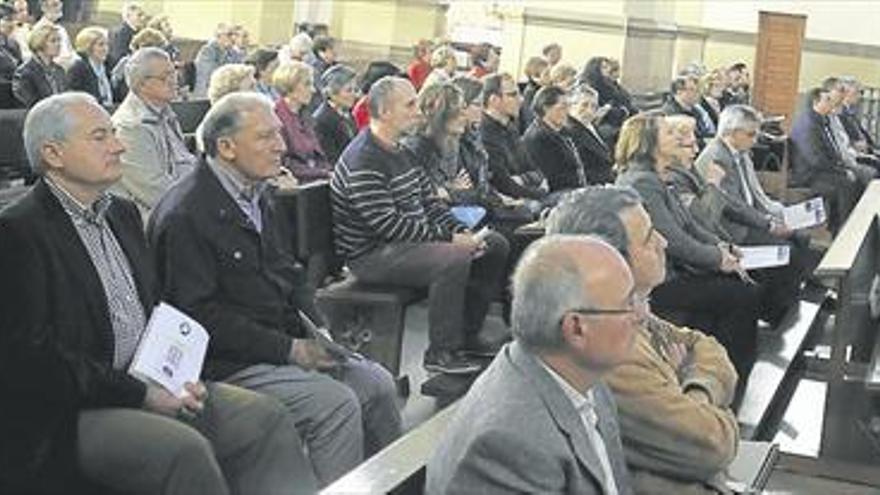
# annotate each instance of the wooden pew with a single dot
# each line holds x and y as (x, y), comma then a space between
(400, 467)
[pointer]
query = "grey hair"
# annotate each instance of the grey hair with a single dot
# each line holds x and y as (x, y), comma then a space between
(737, 117)
(595, 211)
(582, 92)
(849, 82)
(381, 93)
(225, 117)
(547, 283)
(50, 120)
(335, 78)
(137, 67)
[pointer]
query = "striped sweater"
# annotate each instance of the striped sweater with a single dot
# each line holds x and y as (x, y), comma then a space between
(381, 197)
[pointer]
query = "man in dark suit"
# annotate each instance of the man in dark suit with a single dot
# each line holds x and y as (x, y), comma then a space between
(75, 296)
(133, 20)
(817, 161)
(539, 419)
(683, 100)
(224, 258)
(592, 150)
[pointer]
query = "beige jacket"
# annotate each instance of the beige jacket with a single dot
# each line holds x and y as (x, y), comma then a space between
(669, 435)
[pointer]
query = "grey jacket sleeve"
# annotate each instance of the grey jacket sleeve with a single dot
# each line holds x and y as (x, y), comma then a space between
(144, 175)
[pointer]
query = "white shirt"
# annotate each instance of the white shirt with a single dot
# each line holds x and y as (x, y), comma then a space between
(585, 406)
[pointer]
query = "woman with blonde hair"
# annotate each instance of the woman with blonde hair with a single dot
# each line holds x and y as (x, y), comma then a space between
(230, 78)
(294, 81)
(563, 76)
(705, 284)
(711, 87)
(90, 73)
(40, 76)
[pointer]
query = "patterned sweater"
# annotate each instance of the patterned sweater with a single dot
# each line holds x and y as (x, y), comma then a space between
(380, 197)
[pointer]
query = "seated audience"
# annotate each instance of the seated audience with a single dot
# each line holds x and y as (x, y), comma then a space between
(484, 60)
(750, 217)
(703, 288)
(40, 77)
(443, 65)
(420, 65)
(217, 52)
(241, 281)
(155, 152)
(231, 78)
(563, 76)
(240, 43)
(375, 70)
(859, 136)
(90, 74)
(684, 99)
(508, 159)
(264, 63)
(162, 23)
(322, 57)
(133, 20)
(392, 230)
(23, 22)
(591, 148)
(597, 74)
(674, 391)
(817, 161)
(550, 149)
(304, 156)
(537, 76)
(299, 47)
(75, 296)
(865, 165)
(552, 54)
(334, 125)
(737, 91)
(540, 419)
(145, 38)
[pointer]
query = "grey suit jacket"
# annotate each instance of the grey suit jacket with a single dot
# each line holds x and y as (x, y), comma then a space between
(517, 432)
(739, 217)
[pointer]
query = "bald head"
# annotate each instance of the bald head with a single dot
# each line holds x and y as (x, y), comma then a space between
(558, 274)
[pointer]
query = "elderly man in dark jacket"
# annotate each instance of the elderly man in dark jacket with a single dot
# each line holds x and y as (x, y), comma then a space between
(76, 292)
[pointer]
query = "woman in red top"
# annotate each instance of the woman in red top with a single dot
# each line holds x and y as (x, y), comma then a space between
(420, 66)
(375, 71)
(304, 156)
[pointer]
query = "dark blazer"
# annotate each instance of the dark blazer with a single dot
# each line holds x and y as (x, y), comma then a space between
(517, 432)
(814, 154)
(120, 39)
(554, 154)
(334, 131)
(506, 158)
(81, 77)
(8, 64)
(30, 83)
(849, 117)
(593, 152)
(244, 286)
(691, 246)
(57, 342)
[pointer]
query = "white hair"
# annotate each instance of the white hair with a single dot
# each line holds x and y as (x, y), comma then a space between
(301, 44)
(225, 116)
(737, 117)
(50, 120)
(137, 67)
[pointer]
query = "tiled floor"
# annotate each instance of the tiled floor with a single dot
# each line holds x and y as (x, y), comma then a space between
(794, 435)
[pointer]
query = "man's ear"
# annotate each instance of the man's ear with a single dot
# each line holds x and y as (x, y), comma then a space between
(575, 330)
(226, 148)
(51, 153)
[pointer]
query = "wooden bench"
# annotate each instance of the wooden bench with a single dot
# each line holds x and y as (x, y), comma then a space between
(400, 467)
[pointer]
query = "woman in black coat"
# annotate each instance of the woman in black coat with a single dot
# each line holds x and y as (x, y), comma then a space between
(334, 124)
(90, 72)
(40, 76)
(592, 149)
(550, 150)
(597, 74)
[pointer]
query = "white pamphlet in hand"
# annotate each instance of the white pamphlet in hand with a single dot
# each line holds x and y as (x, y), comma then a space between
(754, 257)
(805, 215)
(171, 351)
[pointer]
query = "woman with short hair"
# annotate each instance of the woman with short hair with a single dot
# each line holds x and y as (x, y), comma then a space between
(230, 78)
(90, 73)
(334, 124)
(264, 62)
(304, 156)
(40, 76)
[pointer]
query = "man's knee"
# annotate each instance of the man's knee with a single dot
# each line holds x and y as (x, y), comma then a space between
(339, 403)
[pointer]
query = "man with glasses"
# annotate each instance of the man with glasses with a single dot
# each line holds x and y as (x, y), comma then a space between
(155, 152)
(674, 390)
(540, 419)
(751, 217)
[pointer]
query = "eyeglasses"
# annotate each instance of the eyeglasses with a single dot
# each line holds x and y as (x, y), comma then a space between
(165, 76)
(638, 305)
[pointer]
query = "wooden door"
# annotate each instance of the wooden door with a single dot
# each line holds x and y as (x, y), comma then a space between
(778, 63)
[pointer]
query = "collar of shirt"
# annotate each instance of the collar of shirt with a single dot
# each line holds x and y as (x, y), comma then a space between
(236, 184)
(76, 210)
(582, 402)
